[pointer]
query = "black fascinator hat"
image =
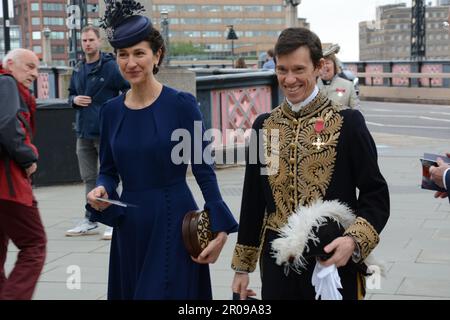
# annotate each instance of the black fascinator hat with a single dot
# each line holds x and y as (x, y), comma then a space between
(123, 24)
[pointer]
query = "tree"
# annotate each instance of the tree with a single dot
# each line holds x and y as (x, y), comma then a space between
(185, 49)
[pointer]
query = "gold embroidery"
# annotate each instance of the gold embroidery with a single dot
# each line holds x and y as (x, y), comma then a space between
(365, 236)
(204, 233)
(245, 258)
(304, 171)
(361, 286)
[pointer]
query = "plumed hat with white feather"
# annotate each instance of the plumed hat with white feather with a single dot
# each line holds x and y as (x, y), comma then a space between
(308, 231)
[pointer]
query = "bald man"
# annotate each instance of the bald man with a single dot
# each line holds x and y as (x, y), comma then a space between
(20, 220)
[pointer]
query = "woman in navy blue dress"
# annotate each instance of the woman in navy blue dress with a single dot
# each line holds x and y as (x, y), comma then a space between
(140, 147)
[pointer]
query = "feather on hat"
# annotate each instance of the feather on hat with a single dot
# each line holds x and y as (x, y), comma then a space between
(123, 25)
(308, 231)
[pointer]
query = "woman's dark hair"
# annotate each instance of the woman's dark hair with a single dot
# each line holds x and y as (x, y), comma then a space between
(293, 38)
(156, 42)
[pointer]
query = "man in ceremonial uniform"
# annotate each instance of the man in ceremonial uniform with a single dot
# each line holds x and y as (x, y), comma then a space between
(307, 150)
(332, 85)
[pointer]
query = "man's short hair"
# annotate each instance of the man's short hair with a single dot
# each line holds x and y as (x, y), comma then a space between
(91, 28)
(270, 53)
(13, 55)
(291, 39)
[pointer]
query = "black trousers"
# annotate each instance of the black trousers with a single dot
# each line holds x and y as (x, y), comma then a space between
(277, 285)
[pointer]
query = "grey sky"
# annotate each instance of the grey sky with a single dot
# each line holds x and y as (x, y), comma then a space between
(337, 21)
(334, 21)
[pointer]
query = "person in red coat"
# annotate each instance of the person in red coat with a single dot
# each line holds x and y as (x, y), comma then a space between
(19, 215)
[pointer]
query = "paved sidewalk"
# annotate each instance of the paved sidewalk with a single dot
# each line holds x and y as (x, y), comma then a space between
(415, 244)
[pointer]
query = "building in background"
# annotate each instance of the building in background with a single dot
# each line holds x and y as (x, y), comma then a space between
(14, 33)
(34, 15)
(388, 37)
(203, 24)
(199, 24)
(301, 22)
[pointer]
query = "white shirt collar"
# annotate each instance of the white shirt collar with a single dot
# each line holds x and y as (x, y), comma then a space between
(298, 106)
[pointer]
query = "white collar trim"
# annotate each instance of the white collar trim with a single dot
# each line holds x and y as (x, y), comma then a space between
(298, 106)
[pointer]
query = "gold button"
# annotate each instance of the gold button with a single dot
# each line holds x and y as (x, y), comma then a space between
(291, 187)
(292, 145)
(292, 161)
(295, 122)
(291, 174)
(292, 200)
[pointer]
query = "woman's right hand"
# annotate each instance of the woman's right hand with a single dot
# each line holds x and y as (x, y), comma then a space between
(98, 192)
(240, 284)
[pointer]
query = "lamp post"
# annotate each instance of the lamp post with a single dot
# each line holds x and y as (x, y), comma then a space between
(76, 20)
(165, 33)
(291, 12)
(232, 36)
(47, 48)
(6, 22)
(418, 30)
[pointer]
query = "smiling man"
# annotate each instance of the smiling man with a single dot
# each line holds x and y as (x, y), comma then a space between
(325, 153)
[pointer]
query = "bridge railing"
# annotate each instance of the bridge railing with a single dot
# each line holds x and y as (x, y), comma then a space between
(405, 87)
(403, 81)
(229, 104)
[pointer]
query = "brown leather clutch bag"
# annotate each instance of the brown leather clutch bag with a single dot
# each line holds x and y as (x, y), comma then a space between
(196, 231)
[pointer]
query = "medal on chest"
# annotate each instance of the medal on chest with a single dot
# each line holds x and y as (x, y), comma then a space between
(319, 125)
(340, 92)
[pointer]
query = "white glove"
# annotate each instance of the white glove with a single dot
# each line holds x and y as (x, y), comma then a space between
(326, 281)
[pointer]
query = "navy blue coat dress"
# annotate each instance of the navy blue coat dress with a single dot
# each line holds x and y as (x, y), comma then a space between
(142, 148)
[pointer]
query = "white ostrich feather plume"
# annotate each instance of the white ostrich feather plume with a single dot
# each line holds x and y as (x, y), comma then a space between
(294, 236)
